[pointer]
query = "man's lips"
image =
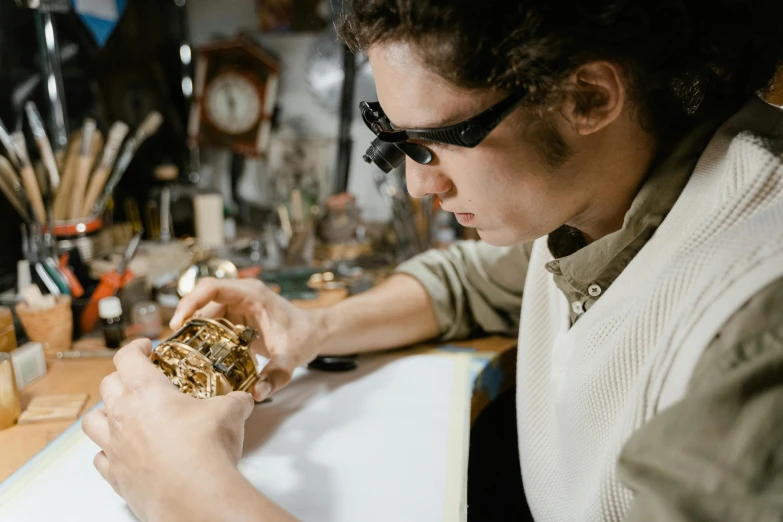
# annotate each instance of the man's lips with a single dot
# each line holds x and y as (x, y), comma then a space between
(465, 218)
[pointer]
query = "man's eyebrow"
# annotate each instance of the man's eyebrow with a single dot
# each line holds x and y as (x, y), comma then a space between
(444, 122)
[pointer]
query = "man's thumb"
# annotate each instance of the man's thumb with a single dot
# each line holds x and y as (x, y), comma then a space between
(275, 375)
(240, 403)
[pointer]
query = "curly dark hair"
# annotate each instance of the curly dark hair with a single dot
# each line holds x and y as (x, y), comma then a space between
(677, 56)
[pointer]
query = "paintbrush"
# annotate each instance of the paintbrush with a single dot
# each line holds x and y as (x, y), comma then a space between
(9, 147)
(28, 177)
(10, 186)
(42, 178)
(47, 155)
(113, 143)
(44, 147)
(148, 127)
(61, 206)
(83, 164)
(13, 178)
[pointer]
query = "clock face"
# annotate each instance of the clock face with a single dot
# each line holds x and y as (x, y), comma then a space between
(232, 103)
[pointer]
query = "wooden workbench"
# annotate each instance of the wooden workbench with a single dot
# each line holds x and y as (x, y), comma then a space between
(21, 442)
(494, 358)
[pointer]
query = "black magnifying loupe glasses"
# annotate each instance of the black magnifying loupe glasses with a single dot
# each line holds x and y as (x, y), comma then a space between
(391, 145)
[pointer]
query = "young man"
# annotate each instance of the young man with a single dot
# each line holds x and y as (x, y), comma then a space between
(628, 187)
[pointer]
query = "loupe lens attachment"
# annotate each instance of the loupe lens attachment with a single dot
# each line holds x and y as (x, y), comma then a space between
(386, 156)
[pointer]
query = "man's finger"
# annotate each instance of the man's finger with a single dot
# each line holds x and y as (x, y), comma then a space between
(259, 346)
(96, 426)
(223, 291)
(211, 310)
(111, 388)
(239, 403)
(101, 463)
(275, 375)
(134, 366)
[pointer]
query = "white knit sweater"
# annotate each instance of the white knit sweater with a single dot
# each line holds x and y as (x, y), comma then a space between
(582, 391)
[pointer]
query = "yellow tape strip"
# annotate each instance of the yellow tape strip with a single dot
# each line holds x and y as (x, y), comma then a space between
(456, 508)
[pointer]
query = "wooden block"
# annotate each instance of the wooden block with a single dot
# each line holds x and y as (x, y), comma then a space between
(53, 407)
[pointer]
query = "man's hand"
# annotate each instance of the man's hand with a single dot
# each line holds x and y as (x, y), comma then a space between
(160, 446)
(288, 336)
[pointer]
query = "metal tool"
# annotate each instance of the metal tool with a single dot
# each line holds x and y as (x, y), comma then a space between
(51, 70)
(49, 255)
(130, 251)
(42, 252)
(40, 274)
(86, 354)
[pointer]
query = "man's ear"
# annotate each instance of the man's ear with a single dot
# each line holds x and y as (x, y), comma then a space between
(595, 96)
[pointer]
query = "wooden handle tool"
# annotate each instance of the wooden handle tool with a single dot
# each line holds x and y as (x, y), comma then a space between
(47, 154)
(61, 202)
(148, 127)
(10, 148)
(113, 143)
(83, 164)
(28, 178)
(10, 186)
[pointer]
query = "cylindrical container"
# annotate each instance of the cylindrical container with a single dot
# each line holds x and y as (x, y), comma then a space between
(52, 328)
(7, 332)
(209, 219)
(81, 234)
(9, 395)
(146, 319)
(110, 312)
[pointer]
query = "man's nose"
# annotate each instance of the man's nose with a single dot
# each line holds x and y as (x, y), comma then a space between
(425, 180)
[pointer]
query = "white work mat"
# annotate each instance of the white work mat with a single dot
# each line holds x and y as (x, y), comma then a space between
(386, 442)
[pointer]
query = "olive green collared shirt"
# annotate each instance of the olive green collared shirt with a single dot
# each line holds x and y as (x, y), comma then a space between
(717, 455)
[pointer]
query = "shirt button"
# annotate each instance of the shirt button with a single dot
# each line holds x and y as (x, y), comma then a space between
(594, 290)
(578, 307)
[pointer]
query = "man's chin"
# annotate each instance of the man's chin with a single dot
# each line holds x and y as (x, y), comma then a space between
(503, 237)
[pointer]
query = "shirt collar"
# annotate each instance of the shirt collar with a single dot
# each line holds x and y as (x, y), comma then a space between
(584, 271)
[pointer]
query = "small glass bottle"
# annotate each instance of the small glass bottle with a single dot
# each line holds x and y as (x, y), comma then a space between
(146, 319)
(110, 312)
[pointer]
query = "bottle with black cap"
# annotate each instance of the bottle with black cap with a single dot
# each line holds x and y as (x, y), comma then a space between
(110, 312)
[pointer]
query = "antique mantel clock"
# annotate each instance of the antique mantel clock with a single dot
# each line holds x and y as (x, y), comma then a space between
(234, 97)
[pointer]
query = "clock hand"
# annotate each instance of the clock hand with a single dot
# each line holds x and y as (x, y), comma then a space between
(231, 101)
